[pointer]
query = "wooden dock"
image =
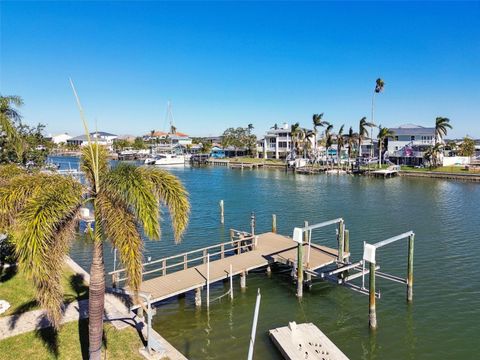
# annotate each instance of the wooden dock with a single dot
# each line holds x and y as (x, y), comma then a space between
(391, 171)
(305, 341)
(188, 271)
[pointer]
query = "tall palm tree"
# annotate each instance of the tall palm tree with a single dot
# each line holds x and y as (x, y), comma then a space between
(318, 121)
(441, 126)
(352, 138)
(340, 143)
(383, 134)
(328, 139)
(379, 85)
(41, 210)
(363, 132)
(297, 134)
(432, 153)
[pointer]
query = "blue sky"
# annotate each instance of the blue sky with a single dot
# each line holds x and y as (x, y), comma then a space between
(228, 64)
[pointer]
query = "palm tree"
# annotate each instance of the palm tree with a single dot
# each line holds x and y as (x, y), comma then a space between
(352, 138)
(363, 132)
(328, 139)
(441, 126)
(383, 134)
(318, 121)
(379, 85)
(297, 135)
(8, 116)
(41, 210)
(432, 153)
(340, 143)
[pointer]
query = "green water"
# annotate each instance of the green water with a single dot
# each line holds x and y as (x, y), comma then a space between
(442, 322)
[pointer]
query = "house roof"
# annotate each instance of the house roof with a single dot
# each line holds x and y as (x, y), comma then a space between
(160, 134)
(412, 129)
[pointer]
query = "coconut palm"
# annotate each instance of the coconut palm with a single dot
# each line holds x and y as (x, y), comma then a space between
(432, 153)
(298, 136)
(363, 132)
(41, 210)
(328, 139)
(383, 134)
(441, 126)
(318, 121)
(340, 143)
(352, 138)
(379, 85)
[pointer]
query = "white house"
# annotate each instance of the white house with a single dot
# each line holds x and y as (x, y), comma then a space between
(409, 144)
(102, 138)
(60, 138)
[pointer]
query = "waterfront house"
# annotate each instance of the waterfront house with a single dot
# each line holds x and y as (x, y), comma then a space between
(59, 138)
(277, 142)
(409, 144)
(101, 137)
(176, 138)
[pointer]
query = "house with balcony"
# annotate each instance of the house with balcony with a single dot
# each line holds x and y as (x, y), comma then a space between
(277, 142)
(100, 137)
(409, 144)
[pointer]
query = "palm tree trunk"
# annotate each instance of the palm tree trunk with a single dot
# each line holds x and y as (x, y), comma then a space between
(379, 153)
(96, 301)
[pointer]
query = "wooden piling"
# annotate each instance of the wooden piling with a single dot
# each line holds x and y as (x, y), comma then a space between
(243, 280)
(372, 313)
(341, 244)
(231, 282)
(347, 243)
(252, 223)
(198, 297)
(269, 271)
(222, 218)
(274, 223)
(300, 264)
(411, 239)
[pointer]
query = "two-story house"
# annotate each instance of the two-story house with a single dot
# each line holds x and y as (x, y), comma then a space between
(409, 144)
(277, 142)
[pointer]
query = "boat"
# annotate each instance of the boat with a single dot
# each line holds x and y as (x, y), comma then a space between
(150, 161)
(169, 159)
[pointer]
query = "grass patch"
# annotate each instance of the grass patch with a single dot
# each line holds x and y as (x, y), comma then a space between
(71, 342)
(18, 290)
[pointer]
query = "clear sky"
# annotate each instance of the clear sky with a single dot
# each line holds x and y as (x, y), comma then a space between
(228, 64)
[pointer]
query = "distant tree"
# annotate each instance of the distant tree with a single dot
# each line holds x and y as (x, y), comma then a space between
(379, 85)
(239, 138)
(340, 143)
(139, 143)
(441, 126)
(206, 147)
(352, 139)
(363, 132)
(383, 134)
(121, 144)
(9, 115)
(467, 147)
(328, 139)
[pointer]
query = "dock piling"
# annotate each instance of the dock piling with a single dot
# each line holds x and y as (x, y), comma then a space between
(341, 228)
(411, 239)
(208, 281)
(231, 282)
(198, 297)
(346, 240)
(274, 223)
(372, 313)
(252, 223)
(300, 263)
(243, 280)
(222, 218)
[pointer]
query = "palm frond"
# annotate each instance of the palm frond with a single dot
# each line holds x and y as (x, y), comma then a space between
(42, 235)
(171, 192)
(119, 225)
(127, 183)
(94, 157)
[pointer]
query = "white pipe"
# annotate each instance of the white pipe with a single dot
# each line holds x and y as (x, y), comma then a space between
(208, 281)
(254, 326)
(231, 282)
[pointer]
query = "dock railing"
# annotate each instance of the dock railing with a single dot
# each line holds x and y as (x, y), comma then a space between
(240, 242)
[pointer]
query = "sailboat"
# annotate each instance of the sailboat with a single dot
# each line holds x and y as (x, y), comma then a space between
(171, 158)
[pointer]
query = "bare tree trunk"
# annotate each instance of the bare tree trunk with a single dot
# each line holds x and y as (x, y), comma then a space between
(96, 303)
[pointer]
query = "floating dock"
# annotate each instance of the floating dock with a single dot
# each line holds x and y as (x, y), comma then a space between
(305, 341)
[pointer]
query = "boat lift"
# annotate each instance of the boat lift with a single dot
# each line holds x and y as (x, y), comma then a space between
(347, 271)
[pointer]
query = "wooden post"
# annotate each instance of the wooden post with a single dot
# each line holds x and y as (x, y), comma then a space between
(185, 262)
(341, 244)
(372, 306)
(274, 223)
(269, 271)
(252, 223)
(222, 219)
(347, 243)
(222, 249)
(205, 256)
(243, 280)
(411, 239)
(232, 234)
(300, 265)
(198, 297)
(164, 267)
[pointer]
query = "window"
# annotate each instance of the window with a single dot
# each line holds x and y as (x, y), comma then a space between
(412, 138)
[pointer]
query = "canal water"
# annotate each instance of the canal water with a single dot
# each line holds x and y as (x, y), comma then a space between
(442, 322)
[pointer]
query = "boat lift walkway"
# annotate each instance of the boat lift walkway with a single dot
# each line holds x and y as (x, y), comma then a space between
(181, 273)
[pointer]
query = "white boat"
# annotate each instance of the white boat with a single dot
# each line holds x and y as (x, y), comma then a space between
(150, 161)
(169, 159)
